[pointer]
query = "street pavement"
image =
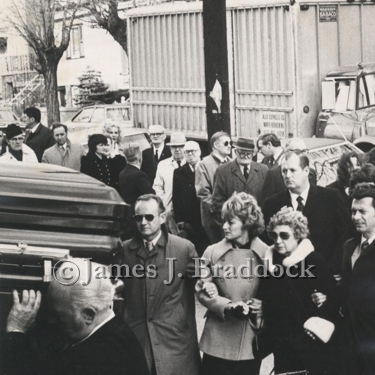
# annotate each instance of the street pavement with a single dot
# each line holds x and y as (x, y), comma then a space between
(267, 364)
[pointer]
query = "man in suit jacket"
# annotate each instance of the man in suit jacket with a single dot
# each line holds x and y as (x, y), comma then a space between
(359, 279)
(93, 340)
(241, 174)
(270, 147)
(274, 182)
(186, 205)
(38, 137)
(152, 156)
(132, 181)
(160, 307)
(221, 145)
(329, 219)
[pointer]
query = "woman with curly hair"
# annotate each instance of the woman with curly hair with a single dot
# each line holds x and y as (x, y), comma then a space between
(298, 299)
(234, 314)
(114, 131)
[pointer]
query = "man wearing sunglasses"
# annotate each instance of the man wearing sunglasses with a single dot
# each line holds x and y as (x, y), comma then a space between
(160, 305)
(328, 217)
(156, 153)
(221, 145)
(241, 174)
(17, 150)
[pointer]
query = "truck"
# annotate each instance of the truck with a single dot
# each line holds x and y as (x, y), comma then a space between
(280, 54)
(348, 105)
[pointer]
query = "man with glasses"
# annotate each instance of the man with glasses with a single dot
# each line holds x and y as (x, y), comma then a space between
(240, 175)
(186, 205)
(221, 145)
(17, 150)
(156, 153)
(328, 217)
(163, 183)
(160, 305)
(274, 182)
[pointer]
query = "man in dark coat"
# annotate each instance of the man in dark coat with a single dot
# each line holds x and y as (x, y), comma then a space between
(359, 279)
(329, 219)
(94, 340)
(270, 147)
(186, 204)
(241, 174)
(160, 306)
(38, 137)
(133, 182)
(157, 152)
(274, 182)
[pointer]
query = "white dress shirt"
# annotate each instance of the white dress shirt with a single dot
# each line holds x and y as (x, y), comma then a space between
(154, 241)
(304, 195)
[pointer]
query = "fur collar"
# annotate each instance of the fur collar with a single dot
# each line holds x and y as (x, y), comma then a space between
(302, 251)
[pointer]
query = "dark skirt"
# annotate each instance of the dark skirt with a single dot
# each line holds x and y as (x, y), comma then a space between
(218, 366)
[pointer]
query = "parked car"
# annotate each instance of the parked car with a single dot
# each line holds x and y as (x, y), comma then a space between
(7, 117)
(348, 105)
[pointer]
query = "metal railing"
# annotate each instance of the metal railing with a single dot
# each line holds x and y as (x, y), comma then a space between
(15, 64)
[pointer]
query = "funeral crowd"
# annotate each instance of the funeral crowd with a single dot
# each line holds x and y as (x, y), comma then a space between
(308, 293)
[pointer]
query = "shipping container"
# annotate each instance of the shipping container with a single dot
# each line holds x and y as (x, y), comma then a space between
(278, 54)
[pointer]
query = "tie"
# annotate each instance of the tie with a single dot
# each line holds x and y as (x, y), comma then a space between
(300, 204)
(246, 172)
(27, 133)
(179, 164)
(156, 155)
(149, 245)
(272, 161)
(364, 248)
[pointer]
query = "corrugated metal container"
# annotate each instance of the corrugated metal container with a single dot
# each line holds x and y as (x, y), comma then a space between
(278, 54)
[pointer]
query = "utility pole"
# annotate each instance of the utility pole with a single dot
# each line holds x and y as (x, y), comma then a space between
(216, 66)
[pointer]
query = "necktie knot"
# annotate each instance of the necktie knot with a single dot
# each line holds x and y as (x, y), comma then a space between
(300, 203)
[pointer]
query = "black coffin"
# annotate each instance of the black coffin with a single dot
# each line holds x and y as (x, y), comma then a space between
(45, 197)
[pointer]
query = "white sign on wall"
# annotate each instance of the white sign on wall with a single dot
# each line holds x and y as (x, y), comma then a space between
(273, 122)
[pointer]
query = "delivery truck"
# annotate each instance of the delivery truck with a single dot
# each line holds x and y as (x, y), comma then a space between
(279, 52)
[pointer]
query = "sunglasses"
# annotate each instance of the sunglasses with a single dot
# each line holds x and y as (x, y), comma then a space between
(139, 218)
(156, 134)
(228, 143)
(283, 235)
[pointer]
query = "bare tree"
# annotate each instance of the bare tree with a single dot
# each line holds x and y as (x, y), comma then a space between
(36, 21)
(106, 16)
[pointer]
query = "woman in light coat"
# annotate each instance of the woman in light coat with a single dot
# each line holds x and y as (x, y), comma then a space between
(234, 315)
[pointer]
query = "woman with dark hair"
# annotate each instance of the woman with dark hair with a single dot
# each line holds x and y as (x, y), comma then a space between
(234, 314)
(299, 307)
(96, 163)
(347, 164)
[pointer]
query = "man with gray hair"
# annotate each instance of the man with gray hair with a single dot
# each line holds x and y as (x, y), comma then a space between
(132, 181)
(96, 342)
(221, 145)
(156, 153)
(274, 182)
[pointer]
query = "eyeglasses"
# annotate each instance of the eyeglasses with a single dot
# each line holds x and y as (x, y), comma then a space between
(283, 235)
(139, 218)
(228, 143)
(190, 151)
(244, 154)
(156, 134)
(18, 139)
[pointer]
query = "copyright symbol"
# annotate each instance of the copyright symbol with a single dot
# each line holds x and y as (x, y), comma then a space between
(66, 272)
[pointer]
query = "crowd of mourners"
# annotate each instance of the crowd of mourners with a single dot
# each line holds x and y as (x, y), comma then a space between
(283, 266)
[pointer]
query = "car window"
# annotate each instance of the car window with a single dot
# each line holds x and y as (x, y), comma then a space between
(135, 138)
(118, 114)
(84, 115)
(366, 94)
(98, 115)
(6, 115)
(345, 95)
